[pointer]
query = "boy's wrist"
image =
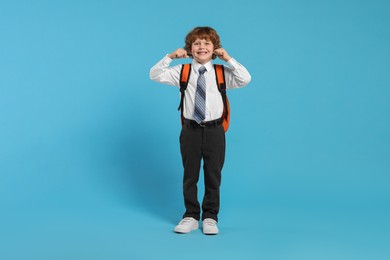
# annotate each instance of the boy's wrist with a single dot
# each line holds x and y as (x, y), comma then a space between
(228, 58)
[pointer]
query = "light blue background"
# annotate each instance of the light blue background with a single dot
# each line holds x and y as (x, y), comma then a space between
(91, 170)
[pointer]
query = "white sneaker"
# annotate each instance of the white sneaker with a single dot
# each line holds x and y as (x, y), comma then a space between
(186, 225)
(210, 227)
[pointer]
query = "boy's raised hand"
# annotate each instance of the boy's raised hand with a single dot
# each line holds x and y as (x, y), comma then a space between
(179, 53)
(222, 54)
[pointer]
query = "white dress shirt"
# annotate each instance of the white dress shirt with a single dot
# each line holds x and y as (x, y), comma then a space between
(236, 76)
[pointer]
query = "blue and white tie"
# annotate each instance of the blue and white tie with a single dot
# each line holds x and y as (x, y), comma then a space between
(200, 97)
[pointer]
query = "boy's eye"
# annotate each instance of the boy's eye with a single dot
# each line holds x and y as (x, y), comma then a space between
(198, 43)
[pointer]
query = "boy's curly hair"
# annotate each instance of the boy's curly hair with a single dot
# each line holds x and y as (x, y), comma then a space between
(206, 33)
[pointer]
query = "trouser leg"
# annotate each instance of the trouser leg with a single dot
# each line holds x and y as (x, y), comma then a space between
(190, 147)
(213, 151)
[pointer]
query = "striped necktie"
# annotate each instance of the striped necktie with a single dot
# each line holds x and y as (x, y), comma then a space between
(200, 97)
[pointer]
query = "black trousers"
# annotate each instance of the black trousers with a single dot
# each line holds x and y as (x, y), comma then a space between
(197, 143)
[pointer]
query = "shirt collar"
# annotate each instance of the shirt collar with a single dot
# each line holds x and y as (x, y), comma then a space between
(196, 66)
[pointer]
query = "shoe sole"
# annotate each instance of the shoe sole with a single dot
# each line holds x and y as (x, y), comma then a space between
(211, 233)
(183, 232)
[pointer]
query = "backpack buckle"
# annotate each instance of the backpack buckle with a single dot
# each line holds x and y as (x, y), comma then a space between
(222, 88)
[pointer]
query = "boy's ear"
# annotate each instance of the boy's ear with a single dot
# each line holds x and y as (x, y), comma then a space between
(188, 51)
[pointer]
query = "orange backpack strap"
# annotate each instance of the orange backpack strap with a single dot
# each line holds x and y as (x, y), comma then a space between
(220, 77)
(184, 77)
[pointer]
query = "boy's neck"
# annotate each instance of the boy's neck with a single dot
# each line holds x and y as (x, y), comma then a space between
(202, 62)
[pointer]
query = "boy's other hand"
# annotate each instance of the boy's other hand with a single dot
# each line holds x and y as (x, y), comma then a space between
(179, 53)
(222, 54)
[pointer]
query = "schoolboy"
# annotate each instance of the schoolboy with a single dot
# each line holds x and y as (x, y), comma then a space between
(202, 135)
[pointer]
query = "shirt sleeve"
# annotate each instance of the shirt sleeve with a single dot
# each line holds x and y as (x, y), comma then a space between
(162, 73)
(236, 75)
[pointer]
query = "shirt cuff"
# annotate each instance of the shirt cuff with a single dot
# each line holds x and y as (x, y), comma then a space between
(167, 60)
(232, 63)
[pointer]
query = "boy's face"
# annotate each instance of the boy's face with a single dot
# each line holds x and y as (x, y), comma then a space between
(202, 50)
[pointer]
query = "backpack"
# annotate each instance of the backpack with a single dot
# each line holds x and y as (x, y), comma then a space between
(220, 77)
